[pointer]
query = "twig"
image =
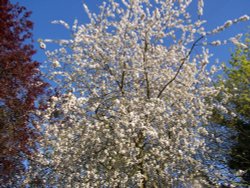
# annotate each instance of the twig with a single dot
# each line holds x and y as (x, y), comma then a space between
(180, 67)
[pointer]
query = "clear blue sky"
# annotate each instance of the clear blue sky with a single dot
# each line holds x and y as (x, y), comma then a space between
(44, 11)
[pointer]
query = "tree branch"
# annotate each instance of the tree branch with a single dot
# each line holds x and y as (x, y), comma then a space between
(145, 67)
(180, 67)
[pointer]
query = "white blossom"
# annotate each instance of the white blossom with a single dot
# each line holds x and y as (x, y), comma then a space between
(61, 22)
(228, 23)
(237, 43)
(56, 63)
(42, 45)
(129, 110)
(200, 7)
(244, 18)
(216, 43)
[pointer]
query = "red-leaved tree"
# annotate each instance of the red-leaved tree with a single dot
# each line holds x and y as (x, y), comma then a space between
(20, 86)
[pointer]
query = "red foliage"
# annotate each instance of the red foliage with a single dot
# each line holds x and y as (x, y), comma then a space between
(20, 86)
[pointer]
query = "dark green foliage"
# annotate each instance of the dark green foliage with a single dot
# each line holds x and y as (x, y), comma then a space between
(236, 85)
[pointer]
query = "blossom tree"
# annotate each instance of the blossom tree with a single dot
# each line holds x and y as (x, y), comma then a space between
(131, 99)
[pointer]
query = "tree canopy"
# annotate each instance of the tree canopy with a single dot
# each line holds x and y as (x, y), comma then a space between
(132, 98)
(236, 83)
(20, 85)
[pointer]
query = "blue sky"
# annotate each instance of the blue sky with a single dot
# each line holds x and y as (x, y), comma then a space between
(216, 12)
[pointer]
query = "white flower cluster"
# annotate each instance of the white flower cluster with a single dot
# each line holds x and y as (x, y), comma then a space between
(133, 100)
(228, 24)
(200, 7)
(61, 22)
(236, 42)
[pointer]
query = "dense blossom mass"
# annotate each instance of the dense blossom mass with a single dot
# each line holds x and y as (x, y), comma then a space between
(132, 99)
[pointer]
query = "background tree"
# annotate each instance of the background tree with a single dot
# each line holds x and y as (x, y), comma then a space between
(20, 86)
(236, 83)
(132, 100)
